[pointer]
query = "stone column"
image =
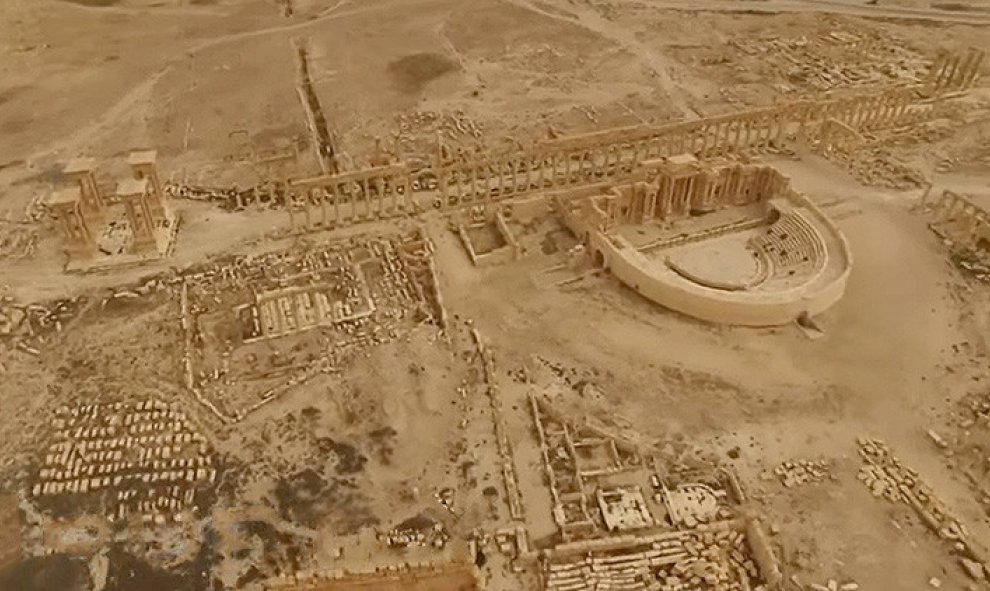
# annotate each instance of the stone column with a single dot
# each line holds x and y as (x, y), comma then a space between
(82, 171)
(554, 162)
(975, 70)
(133, 193)
(950, 73)
(66, 205)
(458, 187)
(142, 164)
(473, 179)
(967, 64)
(441, 172)
(379, 182)
(307, 206)
(407, 201)
(934, 69)
(783, 119)
(321, 197)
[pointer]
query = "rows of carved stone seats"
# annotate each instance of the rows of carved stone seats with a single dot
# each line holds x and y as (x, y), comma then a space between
(708, 233)
(791, 244)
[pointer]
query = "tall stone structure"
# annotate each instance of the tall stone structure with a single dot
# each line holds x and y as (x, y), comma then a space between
(67, 207)
(83, 172)
(136, 195)
(142, 164)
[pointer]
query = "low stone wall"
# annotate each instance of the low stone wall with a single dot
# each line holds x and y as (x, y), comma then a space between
(401, 577)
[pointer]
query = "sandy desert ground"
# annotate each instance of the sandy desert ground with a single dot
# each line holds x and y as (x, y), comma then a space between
(470, 391)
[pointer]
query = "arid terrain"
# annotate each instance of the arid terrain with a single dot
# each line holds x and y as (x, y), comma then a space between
(506, 295)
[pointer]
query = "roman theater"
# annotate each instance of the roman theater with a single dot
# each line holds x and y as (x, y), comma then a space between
(494, 295)
(724, 242)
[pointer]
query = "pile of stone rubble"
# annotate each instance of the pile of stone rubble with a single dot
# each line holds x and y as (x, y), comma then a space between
(888, 478)
(798, 472)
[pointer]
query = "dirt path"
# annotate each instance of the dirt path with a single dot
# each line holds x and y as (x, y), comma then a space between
(135, 102)
(588, 18)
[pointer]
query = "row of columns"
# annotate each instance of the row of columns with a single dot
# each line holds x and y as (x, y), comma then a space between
(465, 183)
(953, 71)
(485, 180)
(871, 112)
(726, 134)
(679, 189)
(548, 169)
(471, 182)
(333, 200)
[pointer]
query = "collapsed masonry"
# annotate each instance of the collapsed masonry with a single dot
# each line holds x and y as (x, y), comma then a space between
(143, 460)
(255, 327)
(958, 218)
(965, 228)
(627, 522)
(732, 555)
(888, 478)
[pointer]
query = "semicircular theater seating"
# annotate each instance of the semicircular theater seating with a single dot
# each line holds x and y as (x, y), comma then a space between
(763, 261)
(793, 249)
(800, 271)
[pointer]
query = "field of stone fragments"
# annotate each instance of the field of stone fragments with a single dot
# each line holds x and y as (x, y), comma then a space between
(340, 295)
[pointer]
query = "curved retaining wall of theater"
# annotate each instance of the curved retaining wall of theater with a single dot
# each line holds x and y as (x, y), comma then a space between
(748, 308)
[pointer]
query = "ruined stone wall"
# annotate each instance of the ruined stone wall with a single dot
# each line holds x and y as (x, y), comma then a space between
(958, 218)
(409, 577)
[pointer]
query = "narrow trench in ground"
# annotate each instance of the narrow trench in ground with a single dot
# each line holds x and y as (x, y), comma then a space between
(321, 128)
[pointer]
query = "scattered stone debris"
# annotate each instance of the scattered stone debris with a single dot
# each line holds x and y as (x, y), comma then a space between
(886, 477)
(332, 302)
(794, 473)
(833, 585)
(416, 531)
(28, 327)
(144, 459)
